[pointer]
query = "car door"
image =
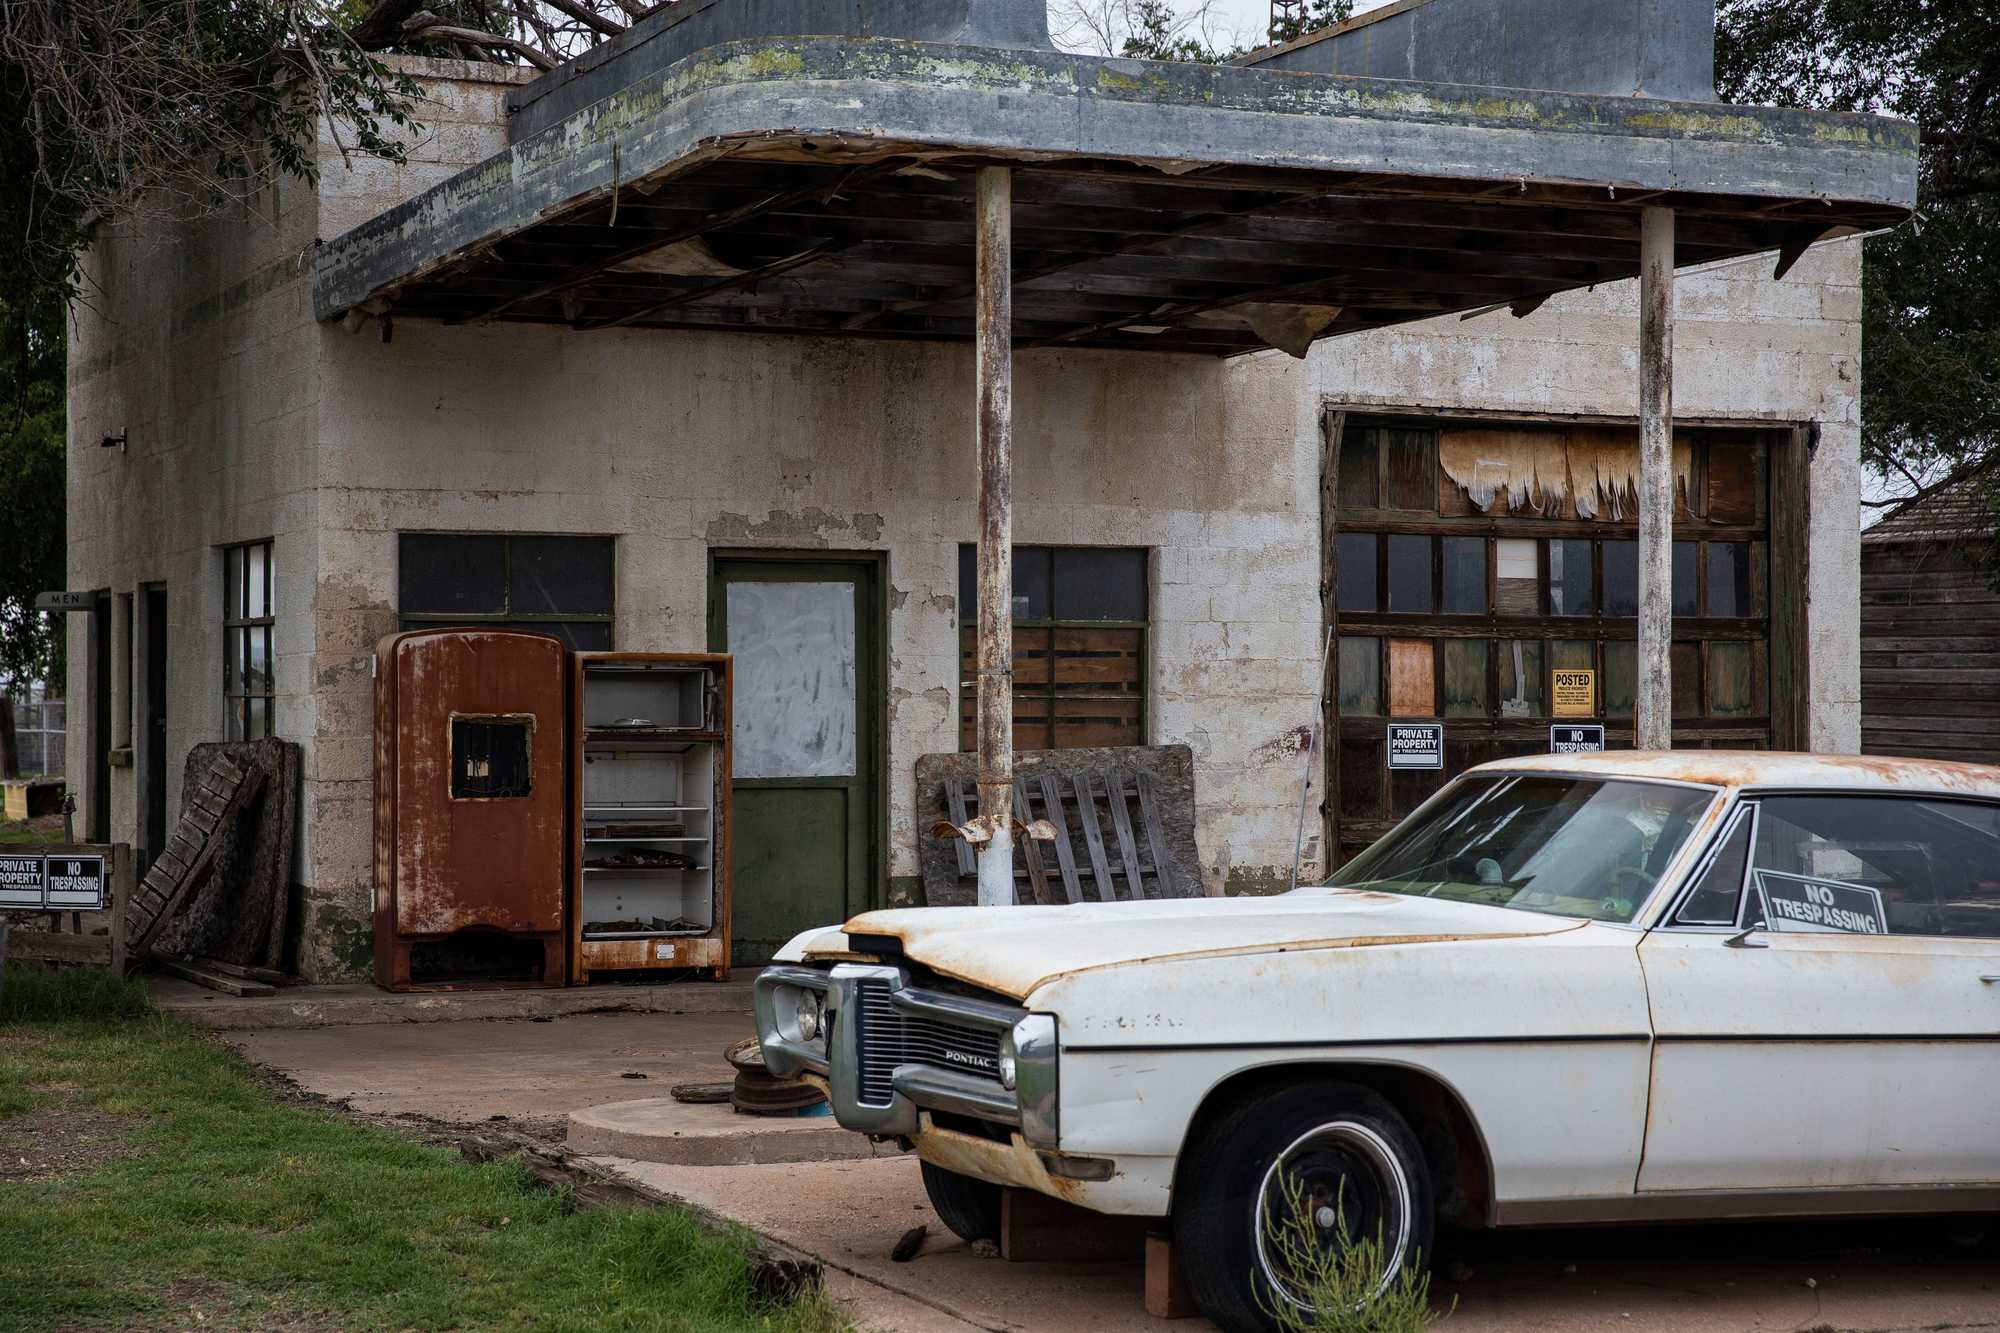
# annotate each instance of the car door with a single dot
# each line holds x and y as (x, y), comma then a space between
(1852, 1036)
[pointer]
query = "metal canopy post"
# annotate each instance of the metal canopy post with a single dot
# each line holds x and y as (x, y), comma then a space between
(993, 340)
(1654, 695)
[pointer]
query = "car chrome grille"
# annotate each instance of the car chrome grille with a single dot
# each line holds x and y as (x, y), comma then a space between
(887, 1037)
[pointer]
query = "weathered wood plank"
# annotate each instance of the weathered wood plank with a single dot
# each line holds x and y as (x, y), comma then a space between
(270, 975)
(1065, 857)
(961, 814)
(153, 908)
(214, 980)
(1093, 837)
(1031, 850)
(1121, 825)
(1156, 841)
(43, 946)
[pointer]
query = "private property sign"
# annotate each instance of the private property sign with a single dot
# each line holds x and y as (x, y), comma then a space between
(1416, 745)
(20, 881)
(68, 881)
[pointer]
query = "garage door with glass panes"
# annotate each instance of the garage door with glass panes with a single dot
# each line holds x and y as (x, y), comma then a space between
(1473, 562)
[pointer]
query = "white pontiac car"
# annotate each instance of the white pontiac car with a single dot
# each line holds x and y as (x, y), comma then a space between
(1568, 989)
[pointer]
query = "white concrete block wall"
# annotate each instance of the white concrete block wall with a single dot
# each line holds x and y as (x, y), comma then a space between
(193, 341)
(685, 444)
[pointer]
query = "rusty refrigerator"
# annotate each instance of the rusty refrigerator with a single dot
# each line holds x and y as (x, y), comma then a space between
(543, 815)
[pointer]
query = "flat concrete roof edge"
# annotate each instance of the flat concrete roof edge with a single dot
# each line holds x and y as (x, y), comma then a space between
(885, 96)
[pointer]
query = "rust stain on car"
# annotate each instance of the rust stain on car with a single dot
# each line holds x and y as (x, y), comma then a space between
(991, 983)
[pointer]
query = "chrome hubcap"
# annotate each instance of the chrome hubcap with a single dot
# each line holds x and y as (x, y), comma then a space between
(1350, 1185)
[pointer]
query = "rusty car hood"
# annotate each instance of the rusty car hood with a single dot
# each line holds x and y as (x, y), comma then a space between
(1014, 950)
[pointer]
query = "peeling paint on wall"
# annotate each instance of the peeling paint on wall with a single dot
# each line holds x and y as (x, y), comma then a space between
(804, 528)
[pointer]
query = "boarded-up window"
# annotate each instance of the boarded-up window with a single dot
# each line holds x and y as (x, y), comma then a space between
(1079, 646)
(1360, 676)
(1476, 558)
(1517, 576)
(1412, 678)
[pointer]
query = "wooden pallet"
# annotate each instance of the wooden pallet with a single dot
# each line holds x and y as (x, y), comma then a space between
(190, 852)
(1091, 860)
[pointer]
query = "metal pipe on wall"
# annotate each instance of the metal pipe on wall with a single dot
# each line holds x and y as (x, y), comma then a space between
(1653, 700)
(993, 343)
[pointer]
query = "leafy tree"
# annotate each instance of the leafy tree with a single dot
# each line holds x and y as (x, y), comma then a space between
(31, 480)
(1300, 17)
(1931, 303)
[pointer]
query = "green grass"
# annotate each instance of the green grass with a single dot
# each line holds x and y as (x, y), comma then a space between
(23, 832)
(212, 1195)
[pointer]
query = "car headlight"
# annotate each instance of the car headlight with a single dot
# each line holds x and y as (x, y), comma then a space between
(1028, 1059)
(809, 1014)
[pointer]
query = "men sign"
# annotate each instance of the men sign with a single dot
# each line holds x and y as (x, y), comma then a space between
(1820, 906)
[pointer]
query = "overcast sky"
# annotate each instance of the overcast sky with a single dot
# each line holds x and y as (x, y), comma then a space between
(1232, 22)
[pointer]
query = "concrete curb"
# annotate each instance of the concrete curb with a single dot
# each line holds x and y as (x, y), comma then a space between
(659, 1129)
(342, 1006)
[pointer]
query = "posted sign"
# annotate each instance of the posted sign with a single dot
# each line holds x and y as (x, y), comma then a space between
(1573, 692)
(1416, 745)
(1820, 906)
(1576, 738)
(65, 601)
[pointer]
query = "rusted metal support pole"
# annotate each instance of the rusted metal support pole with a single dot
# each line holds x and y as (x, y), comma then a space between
(1654, 700)
(993, 343)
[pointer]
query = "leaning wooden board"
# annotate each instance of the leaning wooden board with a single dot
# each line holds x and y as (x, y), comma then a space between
(190, 851)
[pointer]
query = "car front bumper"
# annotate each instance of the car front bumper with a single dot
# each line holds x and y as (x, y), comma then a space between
(891, 1052)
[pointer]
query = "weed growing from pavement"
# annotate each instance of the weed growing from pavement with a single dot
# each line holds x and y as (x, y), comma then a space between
(220, 1206)
(1339, 1288)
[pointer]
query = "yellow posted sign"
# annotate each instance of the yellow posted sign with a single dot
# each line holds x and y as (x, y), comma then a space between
(1573, 693)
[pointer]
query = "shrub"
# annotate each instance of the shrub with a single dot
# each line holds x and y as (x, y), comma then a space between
(1341, 1287)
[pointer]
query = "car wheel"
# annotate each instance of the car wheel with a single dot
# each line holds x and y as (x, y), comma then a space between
(1358, 1167)
(971, 1208)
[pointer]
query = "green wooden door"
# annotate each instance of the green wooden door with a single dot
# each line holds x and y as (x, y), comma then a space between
(805, 635)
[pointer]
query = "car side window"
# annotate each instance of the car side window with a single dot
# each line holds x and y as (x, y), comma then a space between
(1875, 865)
(1719, 889)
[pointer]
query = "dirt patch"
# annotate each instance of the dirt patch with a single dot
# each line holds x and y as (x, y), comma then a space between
(432, 1129)
(59, 1140)
(206, 1305)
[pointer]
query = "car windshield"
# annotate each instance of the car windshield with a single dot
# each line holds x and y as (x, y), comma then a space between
(1582, 847)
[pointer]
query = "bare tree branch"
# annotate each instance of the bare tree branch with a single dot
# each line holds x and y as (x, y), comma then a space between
(426, 24)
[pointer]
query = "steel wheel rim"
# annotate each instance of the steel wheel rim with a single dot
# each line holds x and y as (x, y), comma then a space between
(1331, 1151)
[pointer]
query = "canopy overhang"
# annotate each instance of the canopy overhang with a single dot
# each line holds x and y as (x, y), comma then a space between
(824, 186)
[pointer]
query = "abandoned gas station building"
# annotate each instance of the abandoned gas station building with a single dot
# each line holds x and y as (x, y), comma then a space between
(1310, 343)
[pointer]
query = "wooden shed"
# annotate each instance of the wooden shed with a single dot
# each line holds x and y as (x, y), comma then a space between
(1930, 630)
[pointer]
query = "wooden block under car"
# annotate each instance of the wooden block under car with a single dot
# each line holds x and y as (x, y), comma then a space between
(1035, 1228)
(1166, 1291)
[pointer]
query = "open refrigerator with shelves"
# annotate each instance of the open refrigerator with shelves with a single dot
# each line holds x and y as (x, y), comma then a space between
(649, 736)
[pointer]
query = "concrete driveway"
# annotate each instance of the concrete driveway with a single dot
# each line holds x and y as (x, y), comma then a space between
(1790, 1277)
